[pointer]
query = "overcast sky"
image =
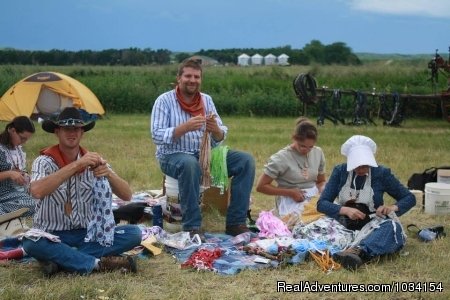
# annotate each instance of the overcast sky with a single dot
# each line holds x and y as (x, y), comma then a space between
(377, 26)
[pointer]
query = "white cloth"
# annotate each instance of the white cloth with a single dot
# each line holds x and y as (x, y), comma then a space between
(35, 234)
(287, 205)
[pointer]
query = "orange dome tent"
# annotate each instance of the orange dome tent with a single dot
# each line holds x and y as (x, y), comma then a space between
(47, 93)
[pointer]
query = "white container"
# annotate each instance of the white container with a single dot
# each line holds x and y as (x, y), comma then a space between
(443, 176)
(437, 198)
(171, 185)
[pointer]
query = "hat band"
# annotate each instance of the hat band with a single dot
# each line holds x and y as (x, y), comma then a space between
(70, 122)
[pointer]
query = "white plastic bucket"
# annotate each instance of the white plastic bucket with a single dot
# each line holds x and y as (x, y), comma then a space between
(171, 185)
(437, 198)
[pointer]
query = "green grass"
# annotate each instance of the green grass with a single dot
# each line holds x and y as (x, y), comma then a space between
(124, 140)
(251, 91)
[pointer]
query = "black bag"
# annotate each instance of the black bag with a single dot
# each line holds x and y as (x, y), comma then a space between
(417, 181)
(355, 224)
(133, 213)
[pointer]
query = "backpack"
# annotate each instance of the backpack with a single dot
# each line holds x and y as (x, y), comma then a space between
(417, 181)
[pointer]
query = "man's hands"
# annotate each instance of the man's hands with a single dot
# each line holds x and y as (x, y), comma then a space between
(197, 122)
(96, 163)
(90, 160)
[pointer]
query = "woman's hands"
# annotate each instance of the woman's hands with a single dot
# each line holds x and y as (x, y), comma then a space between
(384, 210)
(356, 214)
(297, 195)
(19, 177)
(352, 213)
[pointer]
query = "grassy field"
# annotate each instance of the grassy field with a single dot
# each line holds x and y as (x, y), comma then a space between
(264, 91)
(124, 140)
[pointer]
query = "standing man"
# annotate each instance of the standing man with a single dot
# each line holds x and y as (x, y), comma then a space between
(73, 227)
(179, 120)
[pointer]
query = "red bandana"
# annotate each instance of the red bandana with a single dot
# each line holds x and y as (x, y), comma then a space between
(194, 108)
(58, 156)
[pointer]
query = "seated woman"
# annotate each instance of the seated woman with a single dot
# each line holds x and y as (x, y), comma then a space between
(14, 179)
(298, 169)
(354, 196)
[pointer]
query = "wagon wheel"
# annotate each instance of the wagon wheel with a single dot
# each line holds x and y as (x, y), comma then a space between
(305, 88)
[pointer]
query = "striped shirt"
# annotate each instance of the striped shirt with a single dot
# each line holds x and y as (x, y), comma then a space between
(168, 114)
(50, 215)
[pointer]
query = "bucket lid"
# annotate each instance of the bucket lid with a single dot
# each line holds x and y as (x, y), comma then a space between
(437, 187)
(443, 172)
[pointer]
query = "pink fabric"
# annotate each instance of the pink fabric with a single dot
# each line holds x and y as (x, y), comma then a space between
(270, 226)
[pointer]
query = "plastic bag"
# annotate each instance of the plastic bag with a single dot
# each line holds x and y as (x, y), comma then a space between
(180, 240)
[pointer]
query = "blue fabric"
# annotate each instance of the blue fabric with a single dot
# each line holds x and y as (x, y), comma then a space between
(74, 254)
(186, 168)
(384, 240)
(101, 227)
(383, 181)
(232, 260)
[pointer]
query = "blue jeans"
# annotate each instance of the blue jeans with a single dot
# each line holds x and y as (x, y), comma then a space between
(186, 169)
(74, 254)
(384, 240)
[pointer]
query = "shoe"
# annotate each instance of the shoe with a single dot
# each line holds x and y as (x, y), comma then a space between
(200, 233)
(49, 268)
(235, 230)
(125, 264)
(349, 258)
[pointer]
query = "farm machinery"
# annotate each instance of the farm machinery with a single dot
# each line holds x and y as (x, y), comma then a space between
(391, 107)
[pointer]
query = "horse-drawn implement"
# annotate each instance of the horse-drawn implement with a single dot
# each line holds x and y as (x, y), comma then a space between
(390, 107)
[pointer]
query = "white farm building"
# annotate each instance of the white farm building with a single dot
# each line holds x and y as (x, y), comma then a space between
(243, 59)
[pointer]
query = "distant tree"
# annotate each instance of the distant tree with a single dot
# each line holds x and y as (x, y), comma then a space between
(162, 56)
(298, 57)
(315, 51)
(339, 53)
(179, 57)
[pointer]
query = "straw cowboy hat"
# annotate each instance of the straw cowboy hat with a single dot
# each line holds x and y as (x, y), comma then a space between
(13, 215)
(11, 224)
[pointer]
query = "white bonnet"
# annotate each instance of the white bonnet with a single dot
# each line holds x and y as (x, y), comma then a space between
(359, 151)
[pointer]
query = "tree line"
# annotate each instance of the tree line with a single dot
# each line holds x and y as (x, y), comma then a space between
(314, 52)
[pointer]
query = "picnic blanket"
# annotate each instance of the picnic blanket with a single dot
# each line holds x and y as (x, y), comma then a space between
(229, 255)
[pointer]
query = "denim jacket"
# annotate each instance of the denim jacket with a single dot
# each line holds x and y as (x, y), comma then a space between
(383, 181)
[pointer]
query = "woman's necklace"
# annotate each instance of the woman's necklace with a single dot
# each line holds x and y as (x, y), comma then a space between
(304, 166)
